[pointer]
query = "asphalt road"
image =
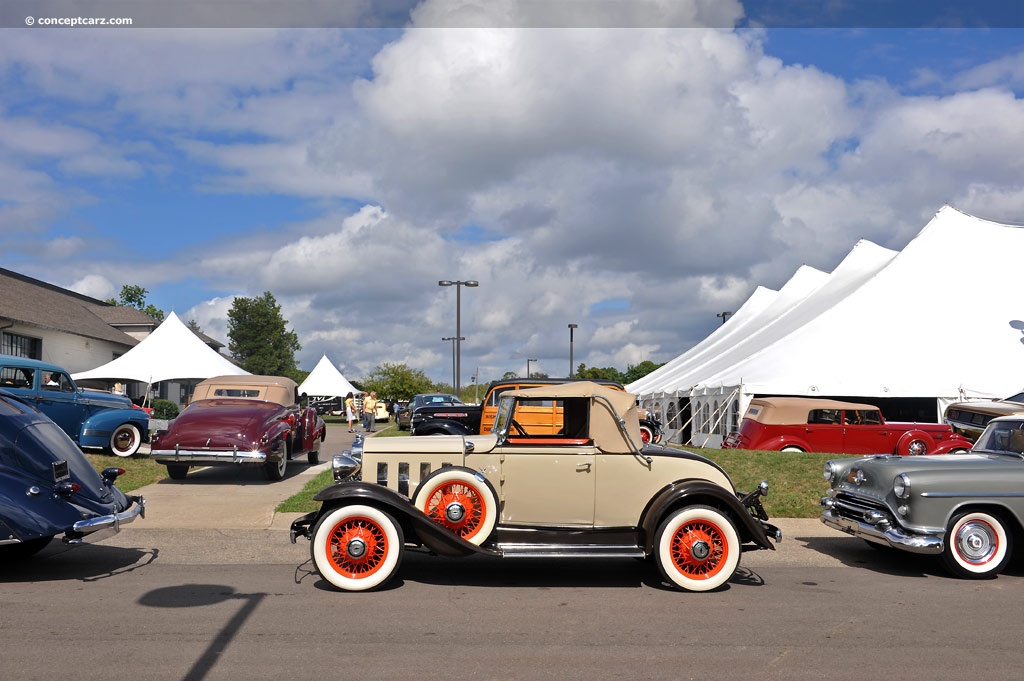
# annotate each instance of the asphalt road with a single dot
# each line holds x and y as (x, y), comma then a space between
(231, 601)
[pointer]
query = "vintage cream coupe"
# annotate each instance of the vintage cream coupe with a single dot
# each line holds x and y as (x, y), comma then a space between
(589, 490)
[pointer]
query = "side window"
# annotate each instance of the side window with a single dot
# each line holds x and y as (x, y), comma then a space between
(58, 381)
(17, 377)
(824, 416)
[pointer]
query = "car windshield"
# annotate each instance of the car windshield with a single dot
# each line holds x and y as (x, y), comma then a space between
(503, 415)
(1002, 436)
(1019, 397)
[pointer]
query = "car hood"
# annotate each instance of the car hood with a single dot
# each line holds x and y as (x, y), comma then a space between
(874, 475)
(107, 400)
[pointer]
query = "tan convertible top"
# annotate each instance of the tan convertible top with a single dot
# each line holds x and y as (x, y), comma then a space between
(782, 410)
(604, 428)
(277, 389)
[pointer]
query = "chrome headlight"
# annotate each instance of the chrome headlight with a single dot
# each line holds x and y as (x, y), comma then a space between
(344, 466)
(901, 486)
(830, 472)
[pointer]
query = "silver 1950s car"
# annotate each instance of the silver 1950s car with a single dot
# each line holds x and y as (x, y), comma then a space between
(966, 507)
(584, 489)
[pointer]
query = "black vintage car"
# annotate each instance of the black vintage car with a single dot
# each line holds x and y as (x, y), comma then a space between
(49, 488)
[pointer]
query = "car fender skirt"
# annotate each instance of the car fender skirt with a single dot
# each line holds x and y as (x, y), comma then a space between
(415, 524)
(687, 492)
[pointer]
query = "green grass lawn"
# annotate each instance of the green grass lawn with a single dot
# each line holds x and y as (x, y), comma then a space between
(140, 470)
(795, 483)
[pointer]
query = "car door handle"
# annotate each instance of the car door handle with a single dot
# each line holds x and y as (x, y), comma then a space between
(583, 467)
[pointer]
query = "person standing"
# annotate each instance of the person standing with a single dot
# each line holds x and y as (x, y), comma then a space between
(370, 412)
(357, 407)
(350, 411)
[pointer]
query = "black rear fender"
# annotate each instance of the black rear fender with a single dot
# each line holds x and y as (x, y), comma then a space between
(691, 492)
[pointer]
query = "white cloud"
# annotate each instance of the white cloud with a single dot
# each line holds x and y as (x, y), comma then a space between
(635, 182)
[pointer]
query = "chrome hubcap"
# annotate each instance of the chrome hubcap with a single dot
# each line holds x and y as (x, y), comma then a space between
(700, 550)
(455, 512)
(356, 549)
(976, 542)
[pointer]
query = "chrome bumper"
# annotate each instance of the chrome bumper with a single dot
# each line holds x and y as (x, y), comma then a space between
(879, 530)
(103, 522)
(200, 456)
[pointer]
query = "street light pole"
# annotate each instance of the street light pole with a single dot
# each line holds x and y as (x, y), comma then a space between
(528, 366)
(458, 325)
(572, 327)
(453, 339)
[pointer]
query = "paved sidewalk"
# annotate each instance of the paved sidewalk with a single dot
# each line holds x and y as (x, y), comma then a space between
(233, 497)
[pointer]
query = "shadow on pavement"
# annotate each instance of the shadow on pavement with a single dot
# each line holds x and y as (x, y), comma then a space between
(85, 563)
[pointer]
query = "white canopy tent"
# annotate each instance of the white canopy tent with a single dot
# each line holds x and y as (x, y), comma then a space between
(940, 320)
(326, 381)
(171, 352)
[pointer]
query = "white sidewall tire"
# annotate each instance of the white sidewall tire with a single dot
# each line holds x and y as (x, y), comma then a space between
(488, 500)
(647, 435)
(133, 433)
(319, 547)
(791, 449)
(664, 554)
(978, 567)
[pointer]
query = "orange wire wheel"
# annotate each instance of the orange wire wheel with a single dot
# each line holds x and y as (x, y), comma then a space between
(357, 548)
(461, 501)
(697, 548)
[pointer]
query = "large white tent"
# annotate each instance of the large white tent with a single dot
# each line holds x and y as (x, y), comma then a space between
(940, 320)
(326, 381)
(171, 352)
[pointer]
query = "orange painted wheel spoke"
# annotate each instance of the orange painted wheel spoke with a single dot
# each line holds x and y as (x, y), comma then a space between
(699, 549)
(357, 529)
(468, 497)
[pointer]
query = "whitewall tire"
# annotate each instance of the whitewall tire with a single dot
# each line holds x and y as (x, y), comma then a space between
(357, 548)
(460, 500)
(697, 548)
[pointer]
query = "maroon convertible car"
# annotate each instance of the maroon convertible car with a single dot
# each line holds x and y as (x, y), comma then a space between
(238, 420)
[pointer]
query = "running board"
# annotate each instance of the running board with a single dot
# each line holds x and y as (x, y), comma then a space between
(568, 551)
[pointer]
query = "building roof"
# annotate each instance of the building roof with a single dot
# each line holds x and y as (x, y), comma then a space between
(32, 302)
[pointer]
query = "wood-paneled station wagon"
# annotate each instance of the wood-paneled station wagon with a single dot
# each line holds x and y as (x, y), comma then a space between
(589, 490)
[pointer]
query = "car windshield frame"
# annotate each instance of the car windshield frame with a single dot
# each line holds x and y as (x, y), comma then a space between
(504, 416)
(991, 440)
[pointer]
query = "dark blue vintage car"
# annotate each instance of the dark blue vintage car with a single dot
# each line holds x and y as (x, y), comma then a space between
(92, 418)
(49, 488)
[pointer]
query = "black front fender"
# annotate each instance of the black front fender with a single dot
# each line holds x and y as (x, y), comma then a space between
(689, 492)
(416, 525)
(441, 427)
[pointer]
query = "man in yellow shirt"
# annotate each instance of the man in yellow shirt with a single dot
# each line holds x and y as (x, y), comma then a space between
(370, 412)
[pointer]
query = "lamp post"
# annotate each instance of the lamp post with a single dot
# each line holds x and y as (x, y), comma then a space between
(453, 339)
(528, 366)
(724, 315)
(458, 325)
(572, 327)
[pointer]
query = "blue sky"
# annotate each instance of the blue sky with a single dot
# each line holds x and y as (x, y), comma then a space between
(635, 182)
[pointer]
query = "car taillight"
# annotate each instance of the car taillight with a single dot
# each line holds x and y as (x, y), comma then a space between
(111, 474)
(66, 488)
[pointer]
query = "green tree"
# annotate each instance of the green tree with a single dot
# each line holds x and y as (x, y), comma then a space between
(133, 295)
(396, 382)
(638, 371)
(259, 338)
(597, 373)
